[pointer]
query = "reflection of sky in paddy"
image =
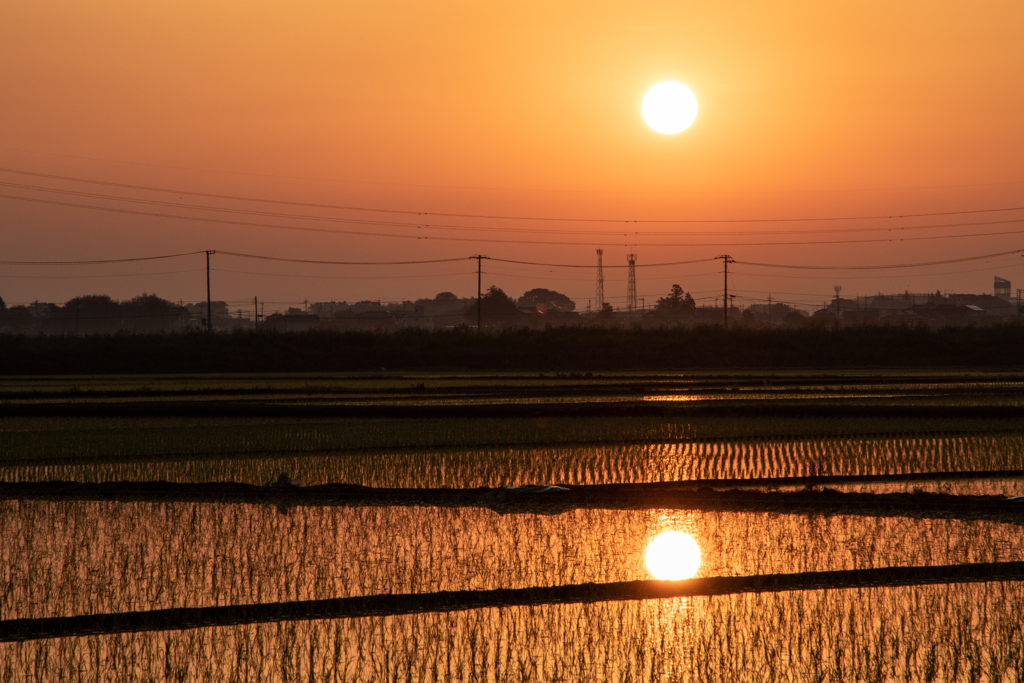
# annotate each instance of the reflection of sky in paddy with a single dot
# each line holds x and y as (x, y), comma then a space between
(750, 395)
(673, 556)
(672, 553)
(109, 556)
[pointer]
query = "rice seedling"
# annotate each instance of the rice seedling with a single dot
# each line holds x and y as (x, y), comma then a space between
(83, 558)
(590, 464)
(923, 633)
(68, 558)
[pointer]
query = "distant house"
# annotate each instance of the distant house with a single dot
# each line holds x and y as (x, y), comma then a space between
(934, 310)
(436, 314)
(947, 315)
(376, 320)
(990, 304)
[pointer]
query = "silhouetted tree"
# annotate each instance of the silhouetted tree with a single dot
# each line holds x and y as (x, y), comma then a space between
(495, 304)
(553, 300)
(606, 312)
(365, 306)
(150, 313)
(446, 296)
(3, 305)
(93, 313)
(677, 302)
(198, 310)
(17, 313)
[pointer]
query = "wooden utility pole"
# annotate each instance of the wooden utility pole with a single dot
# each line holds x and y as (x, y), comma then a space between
(726, 260)
(256, 313)
(209, 312)
(479, 290)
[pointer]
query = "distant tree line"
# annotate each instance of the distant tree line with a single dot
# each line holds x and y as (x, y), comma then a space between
(96, 314)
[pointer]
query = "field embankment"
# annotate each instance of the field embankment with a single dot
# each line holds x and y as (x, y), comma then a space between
(565, 349)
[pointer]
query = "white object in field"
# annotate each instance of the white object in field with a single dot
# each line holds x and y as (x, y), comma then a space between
(532, 488)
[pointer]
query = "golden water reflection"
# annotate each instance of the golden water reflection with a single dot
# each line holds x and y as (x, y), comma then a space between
(673, 556)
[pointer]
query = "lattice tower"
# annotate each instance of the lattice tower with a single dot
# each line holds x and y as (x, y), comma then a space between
(600, 281)
(631, 284)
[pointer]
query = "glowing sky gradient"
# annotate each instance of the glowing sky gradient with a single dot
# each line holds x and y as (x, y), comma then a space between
(531, 108)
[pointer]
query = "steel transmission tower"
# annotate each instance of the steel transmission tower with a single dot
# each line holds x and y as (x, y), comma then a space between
(631, 285)
(600, 281)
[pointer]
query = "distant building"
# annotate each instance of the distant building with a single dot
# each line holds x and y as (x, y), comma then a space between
(991, 306)
(945, 315)
(437, 314)
(1002, 289)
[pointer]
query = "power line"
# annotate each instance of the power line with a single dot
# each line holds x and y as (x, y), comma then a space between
(568, 265)
(364, 233)
(965, 259)
(342, 263)
(758, 291)
(106, 275)
(99, 261)
(902, 265)
(543, 276)
(475, 228)
(342, 277)
(149, 188)
(875, 277)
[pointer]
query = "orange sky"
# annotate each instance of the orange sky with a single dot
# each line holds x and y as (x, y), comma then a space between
(532, 108)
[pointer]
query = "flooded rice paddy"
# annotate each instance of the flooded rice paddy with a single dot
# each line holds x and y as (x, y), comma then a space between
(590, 464)
(86, 557)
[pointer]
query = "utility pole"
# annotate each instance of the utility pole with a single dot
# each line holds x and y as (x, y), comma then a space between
(769, 308)
(479, 289)
(726, 260)
(256, 313)
(209, 312)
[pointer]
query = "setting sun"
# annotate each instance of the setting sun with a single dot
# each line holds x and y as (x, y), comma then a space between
(669, 107)
(673, 556)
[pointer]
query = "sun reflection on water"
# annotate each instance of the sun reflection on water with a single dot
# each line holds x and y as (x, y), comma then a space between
(673, 556)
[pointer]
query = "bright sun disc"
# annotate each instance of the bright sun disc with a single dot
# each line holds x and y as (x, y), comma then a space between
(673, 556)
(669, 107)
